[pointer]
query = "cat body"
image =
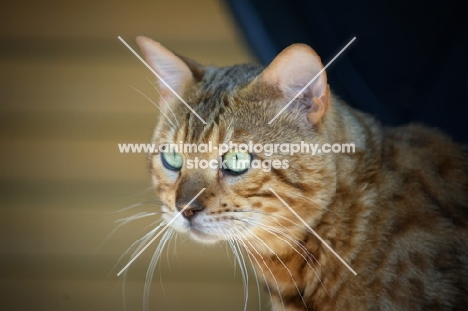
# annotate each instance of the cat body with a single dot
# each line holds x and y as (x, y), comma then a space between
(401, 223)
(395, 210)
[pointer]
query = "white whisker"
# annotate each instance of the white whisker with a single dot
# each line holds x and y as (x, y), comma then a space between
(251, 255)
(156, 105)
(131, 206)
(284, 265)
(246, 274)
(279, 224)
(266, 265)
(164, 100)
(154, 260)
(142, 241)
(314, 233)
(243, 268)
(140, 215)
(302, 247)
(315, 204)
(162, 230)
(254, 271)
(272, 231)
(123, 222)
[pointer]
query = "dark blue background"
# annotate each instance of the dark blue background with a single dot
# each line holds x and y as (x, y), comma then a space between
(408, 64)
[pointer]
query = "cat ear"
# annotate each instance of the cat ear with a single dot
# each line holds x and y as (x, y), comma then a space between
(175, 72)
(292, 70)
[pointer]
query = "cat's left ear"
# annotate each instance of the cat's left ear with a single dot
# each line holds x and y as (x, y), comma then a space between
(292, 70)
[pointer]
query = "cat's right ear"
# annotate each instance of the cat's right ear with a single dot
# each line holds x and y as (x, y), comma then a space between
(171, 68)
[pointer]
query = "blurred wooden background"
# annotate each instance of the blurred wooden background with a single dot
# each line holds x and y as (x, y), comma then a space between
(66, 102)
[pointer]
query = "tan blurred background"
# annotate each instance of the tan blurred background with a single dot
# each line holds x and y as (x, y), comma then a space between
(65, 103)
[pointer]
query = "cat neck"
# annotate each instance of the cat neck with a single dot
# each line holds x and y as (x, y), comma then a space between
(357, 173)
(344, 124)
(347, 212)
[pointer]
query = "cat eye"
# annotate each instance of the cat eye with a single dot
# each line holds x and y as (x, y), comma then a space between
(236, 162)
(172, 160)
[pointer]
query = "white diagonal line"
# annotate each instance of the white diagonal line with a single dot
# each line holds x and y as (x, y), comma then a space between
(155, 105)
(164, 100)
(161, 79)
(313, 79)
(159, 233)
(313, 232)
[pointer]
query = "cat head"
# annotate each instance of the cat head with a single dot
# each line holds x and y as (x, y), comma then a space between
(237, 104)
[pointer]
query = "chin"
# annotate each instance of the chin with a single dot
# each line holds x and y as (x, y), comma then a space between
(202, 237)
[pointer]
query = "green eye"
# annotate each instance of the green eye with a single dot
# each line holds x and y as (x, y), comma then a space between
(172, 160)
(236, 162)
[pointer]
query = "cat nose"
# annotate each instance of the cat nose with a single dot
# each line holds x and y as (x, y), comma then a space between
(190, 211)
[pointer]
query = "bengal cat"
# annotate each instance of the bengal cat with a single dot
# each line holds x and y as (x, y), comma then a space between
(395, 209)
